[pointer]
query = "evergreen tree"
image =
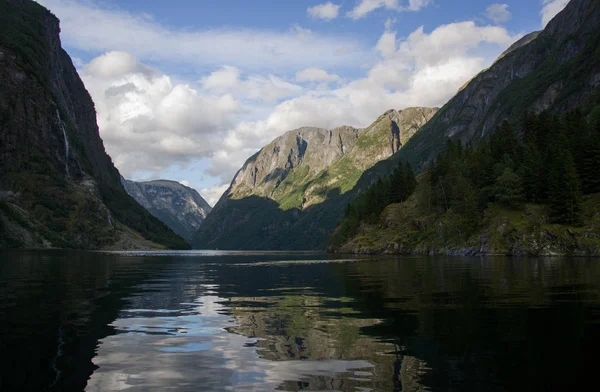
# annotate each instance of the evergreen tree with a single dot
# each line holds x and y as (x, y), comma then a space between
(564, 194)
(508, 188)
(588, 164)
(534, 174)
(504, 143)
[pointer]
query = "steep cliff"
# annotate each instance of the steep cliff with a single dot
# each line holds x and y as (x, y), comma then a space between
(59, 187)
(290, 194)
(178, 206)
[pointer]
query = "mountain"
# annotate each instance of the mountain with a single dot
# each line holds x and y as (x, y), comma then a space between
(508, 166)
(553, 70)
(290, 194)
(58, 187)
(178, 206)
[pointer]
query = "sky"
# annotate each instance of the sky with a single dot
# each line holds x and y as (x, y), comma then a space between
(187, 90)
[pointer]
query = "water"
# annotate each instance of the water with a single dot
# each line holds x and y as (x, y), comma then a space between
(247, 321)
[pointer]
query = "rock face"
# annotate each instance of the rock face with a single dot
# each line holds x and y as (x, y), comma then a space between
(290, 194)
(555, 69)
(61, 187)
(178, 206)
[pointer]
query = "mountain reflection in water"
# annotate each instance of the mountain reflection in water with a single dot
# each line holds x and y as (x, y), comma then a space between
(216, 321)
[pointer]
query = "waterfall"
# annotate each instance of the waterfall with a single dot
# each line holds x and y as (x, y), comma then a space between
(110, 221)
(64, 131)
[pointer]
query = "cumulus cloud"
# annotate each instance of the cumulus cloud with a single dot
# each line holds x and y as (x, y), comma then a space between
(267, 89)
(551, 8)
(91, 26)
(147, 121)
(364, 7)
(498, 13)
(325, 11)
(313, 74)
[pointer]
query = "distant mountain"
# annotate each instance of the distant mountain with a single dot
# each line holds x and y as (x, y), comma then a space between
(178, 206)
(290, 194)
(58, 187)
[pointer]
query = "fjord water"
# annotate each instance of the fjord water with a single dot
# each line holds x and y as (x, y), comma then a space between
(212, 321)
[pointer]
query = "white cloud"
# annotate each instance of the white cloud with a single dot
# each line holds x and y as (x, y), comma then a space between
(364, 7)
(326, 11)
(416, 5)
(213, 194)
(313, 74)
(498, 13)
(147, 121)
(551, 8)
(387, 43)
(185, 183)
(92, 27)
(267, 89)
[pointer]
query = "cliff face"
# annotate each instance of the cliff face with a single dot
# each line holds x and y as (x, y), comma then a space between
(555, 69)
(60, 188)
(291, 192)
(178, 206)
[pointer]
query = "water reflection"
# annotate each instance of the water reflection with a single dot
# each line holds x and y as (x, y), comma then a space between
(287, 321)
(225, 344)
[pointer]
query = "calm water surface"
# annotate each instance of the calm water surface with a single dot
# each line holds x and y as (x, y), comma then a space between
(243, 321)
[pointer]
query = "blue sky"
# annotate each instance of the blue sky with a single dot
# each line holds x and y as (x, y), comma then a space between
(187, 90)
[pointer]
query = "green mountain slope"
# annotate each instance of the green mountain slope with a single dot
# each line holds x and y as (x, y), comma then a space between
(554, 70)
(538, 196)
(290, 194)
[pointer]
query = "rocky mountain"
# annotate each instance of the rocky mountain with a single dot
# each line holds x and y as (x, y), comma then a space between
(290, 194)
(58, 187)
(178, 206)
(552, 70)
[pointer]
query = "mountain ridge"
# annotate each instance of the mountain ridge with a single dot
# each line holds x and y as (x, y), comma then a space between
(180, 207)
(302, 179)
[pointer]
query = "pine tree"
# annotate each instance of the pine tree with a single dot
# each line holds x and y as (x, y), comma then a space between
(396, 186)
(508, 188)
(564, 194)
(504, 142)
(533, 174)
(588, 165)
(410, 181)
